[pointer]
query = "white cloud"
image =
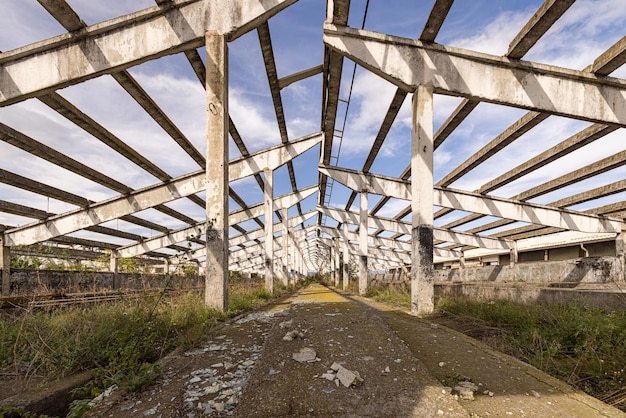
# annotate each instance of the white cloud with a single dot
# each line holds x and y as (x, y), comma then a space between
(496, 36)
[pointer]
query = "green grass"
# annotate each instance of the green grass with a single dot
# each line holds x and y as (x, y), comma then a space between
(120, 342)
(395, 294)
(582, 346)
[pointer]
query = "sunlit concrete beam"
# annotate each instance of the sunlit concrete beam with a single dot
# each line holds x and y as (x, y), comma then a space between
(125, 41)
(154, 195)
(477, 203)
(408, 63)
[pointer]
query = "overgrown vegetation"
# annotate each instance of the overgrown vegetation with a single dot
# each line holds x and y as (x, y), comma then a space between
(582, 346)
(120, 341)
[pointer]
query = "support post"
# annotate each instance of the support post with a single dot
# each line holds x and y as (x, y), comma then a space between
(462, 267)
(337, 262)
(269, 229)
(422, 275)
(620, 249)
(5, 268)
(346, 258)
(114, 269)
(513, 260)
(285, 248)
(216, 276)
(363, 243)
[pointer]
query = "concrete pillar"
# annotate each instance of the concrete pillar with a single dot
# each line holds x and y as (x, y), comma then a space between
(513, 260)
(422, 275)
(285, 248)
(113, 267)
(462, 267)
(620, 249)
(5, 268)
(216, 276)
(346, 258)
(337, 262)
(363, 244)
(166, 266)
(269, 230)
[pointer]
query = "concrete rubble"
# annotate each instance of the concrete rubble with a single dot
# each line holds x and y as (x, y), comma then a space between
(305, 355)
(466, 390)
(343, 376)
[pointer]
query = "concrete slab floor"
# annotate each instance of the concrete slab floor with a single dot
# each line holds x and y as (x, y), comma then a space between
(247, 369)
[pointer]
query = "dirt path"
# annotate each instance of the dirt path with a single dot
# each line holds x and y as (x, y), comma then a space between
(367, 359)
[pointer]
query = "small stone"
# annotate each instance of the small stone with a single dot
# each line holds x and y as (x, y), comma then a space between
(274, 371)
(346, 377)
(195, 380)
(127, 407)
(212, 389)
(442, 363)
(328, 390)
(398, 360)
(306, 354)
(535, 394)
(248, 363)
(292, 335)
(335, 366)
(219, 406)
(434, 326)
(466, 390)
(286, 324)
(387, 370)
(216, 365)
(329, 376)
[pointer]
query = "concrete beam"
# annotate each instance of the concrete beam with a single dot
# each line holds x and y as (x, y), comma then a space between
(154, 195)
(281, 202)
(408, 63)
(125, 41)
(477, 203)
(404, 228)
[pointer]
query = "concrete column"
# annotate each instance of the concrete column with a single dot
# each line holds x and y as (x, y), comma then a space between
(216, 276)
(620, 252)
(422, 275)
(5, 268)
(346, 258)
(113, 267)
(285, 248)
(513, 260)
(269, 230)
(462, 267)
(166, 266)
(337, 262)
(363, 244)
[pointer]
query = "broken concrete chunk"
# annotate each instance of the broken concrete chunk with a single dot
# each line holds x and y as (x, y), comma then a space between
(346, 377)
(466, 390)
(286, 324)
(306, 354)
(336, 366)
(292, 335)
(329, 376)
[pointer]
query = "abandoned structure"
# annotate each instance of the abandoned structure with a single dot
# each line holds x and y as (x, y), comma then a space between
(411, 217)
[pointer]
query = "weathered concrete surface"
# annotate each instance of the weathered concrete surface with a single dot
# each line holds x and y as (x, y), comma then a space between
(579, 270)
(400, 359)
(395, 383)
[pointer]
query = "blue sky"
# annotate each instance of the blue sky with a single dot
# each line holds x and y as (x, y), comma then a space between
(587, 29)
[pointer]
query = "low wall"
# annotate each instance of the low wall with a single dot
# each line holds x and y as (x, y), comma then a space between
(579, 270)
(614, 299)
(27, 282)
